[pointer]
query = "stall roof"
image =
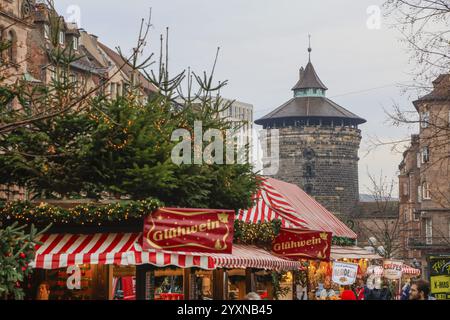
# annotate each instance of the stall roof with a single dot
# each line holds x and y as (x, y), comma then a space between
(296, 209)
(60, 251)
(352, 253)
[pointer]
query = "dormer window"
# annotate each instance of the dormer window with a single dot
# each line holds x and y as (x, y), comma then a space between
(75, 43)
(61, 37)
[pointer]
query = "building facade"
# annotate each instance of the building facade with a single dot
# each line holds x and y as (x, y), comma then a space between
(35, 34)
(318, 144)
(425, 177)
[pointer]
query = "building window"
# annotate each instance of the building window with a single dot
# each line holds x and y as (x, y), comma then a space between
(61, 37)
(416, 215)
(426, 191)
(12, 47)
(429, 231)
(75, 43)
(449, 229)
(405, 189)
(419, 194)
(425, 155)
(309, 189)
(406, 216)
(425, 119)
(46, 31)
(419, 160)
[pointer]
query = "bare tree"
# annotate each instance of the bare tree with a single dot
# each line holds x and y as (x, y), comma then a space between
(384, 223)
(425, 28)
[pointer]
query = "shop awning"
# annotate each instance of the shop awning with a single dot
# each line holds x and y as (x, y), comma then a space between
(352, 253)
(242, 257)
(271, 205)
(254, 257)
(61, 251)
(296, 209)
(407, 271)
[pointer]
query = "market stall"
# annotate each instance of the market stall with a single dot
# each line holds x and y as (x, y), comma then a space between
(115, 256)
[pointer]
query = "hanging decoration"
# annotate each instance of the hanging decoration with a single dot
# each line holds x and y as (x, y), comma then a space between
(84, 215)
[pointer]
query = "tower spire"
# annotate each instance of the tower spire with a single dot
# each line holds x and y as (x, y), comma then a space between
(309, 48)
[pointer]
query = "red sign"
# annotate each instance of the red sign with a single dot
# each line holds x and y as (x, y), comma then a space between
(298, 244)
(190, 230)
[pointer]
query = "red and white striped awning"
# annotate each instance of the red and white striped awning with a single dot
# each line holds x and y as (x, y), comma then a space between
(253, 257)
(270, 205)
(407, 271)
(295, 208)
(61, 251)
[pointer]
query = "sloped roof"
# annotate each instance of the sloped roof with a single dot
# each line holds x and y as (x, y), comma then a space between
(310, 107)
(294, 207)
(127, 69)
(441, 91)
(309, 79)
(317, 217)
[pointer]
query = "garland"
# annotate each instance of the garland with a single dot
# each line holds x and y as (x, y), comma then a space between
(259, 234)
(343, 242)
(82, 215)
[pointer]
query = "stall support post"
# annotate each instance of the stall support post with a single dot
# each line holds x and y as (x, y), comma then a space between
(294, 285)
(188, 284)
(145, 282)
(250, 281)
(219, 288)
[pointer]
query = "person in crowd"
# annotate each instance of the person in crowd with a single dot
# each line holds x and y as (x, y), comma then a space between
(405, 290)
(420, 290)
(43, 291)
(348, 294)
(385, 293)
(360, 289)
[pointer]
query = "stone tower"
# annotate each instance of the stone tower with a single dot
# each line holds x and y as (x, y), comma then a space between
(319, 143)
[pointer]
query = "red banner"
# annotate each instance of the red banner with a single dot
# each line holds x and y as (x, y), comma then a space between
(190, 230)
(298, 244)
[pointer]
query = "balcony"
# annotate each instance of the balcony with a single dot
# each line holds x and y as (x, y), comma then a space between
(429, 243)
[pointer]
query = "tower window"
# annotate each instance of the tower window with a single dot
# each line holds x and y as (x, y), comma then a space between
(309, 170)
(309, 189)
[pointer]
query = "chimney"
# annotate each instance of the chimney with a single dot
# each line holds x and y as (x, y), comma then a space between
(302, 72)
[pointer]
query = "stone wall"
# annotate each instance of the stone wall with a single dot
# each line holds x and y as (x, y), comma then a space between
(323, 161)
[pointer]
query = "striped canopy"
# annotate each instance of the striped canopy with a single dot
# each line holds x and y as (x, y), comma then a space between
(60, 251)
(295, 208)
(407, 271)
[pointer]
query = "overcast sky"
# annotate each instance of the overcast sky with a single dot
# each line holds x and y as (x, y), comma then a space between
(263, 45)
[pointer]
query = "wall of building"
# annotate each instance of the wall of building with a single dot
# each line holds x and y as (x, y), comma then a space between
(323, 161)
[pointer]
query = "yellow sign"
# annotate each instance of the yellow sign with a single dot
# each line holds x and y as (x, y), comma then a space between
(440, 284)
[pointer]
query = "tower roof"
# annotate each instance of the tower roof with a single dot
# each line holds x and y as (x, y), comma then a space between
(309, 79)
(310, 107)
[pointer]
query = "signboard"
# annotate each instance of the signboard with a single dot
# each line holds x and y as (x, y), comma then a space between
(189, 230)
(298, 244)
(393, 269)
(344, 274)
(439, 267)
